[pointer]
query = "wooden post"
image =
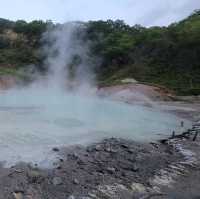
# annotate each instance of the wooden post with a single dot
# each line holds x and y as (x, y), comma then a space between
(182, 123)
(195, 136)
(173, 134)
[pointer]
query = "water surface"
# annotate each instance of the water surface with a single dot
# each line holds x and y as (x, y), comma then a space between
(33, 123)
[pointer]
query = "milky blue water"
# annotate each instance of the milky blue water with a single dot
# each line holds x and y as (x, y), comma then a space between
(31, 124)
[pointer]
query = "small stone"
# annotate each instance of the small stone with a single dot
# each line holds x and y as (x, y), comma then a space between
(55, 149)
(111, 170)
(75, 181)
(71, 197)
(57, 181)
(18, 170)
(34, 176)
(124, 146)
(130, 151)
(92, 195)
(154, 145)
(98, 147)
(59, 168)
(135, 168)
(81, 162)
(123, 174)
(75, 155)
(113, 150)
(18, 194)
(138, 188)
(108, 149)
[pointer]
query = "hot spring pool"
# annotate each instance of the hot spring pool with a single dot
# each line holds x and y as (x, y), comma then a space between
(32, 126)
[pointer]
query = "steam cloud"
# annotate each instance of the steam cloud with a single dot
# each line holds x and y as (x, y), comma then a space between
(67, 58)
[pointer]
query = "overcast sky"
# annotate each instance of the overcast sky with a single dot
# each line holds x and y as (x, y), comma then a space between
(144, 12)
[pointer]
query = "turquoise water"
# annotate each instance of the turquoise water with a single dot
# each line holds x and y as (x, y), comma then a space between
(32, 123)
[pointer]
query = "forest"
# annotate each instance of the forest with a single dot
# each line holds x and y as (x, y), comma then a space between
(165, 56)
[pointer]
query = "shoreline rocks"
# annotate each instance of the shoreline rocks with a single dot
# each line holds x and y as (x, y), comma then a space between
(108, 169)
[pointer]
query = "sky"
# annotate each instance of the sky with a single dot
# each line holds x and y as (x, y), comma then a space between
(144, 12)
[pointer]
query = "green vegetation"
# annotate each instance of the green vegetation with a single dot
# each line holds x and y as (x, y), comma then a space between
(168, 56)
(19, 43)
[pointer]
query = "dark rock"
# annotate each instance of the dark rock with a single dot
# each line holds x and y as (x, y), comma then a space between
(163, 141)
(123, 174)
(154, 145)
(55, 149)
(124, 146)
(111, 170)
(81, 162)
(75, 181)
(110, 150)
(75, 155)
(130, 151)
(135, 168)
(59, 168)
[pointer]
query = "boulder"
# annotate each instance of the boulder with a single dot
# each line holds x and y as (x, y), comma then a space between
(57, 181)
(138, 188)
(35, 176)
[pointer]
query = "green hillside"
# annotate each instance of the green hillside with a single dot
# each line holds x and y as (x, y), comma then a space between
(168, 56)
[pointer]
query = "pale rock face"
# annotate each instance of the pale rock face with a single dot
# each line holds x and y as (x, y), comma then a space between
(18, 195)
(138, 188)
(129, 80)
(57, 181)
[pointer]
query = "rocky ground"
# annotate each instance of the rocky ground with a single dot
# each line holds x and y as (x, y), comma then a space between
(111, 169)
(187, 184)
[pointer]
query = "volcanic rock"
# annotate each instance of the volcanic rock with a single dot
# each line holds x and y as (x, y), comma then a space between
(135, 168)
(34, 176)
(55, 149)
(71, 197)
(18, 194)
(75, 181)
(57, 181)
(111, 170)
(138, 188)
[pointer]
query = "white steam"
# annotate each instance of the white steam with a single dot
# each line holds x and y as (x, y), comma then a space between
(67, 57)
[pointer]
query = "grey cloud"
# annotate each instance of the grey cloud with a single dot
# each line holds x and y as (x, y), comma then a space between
(145, 12)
